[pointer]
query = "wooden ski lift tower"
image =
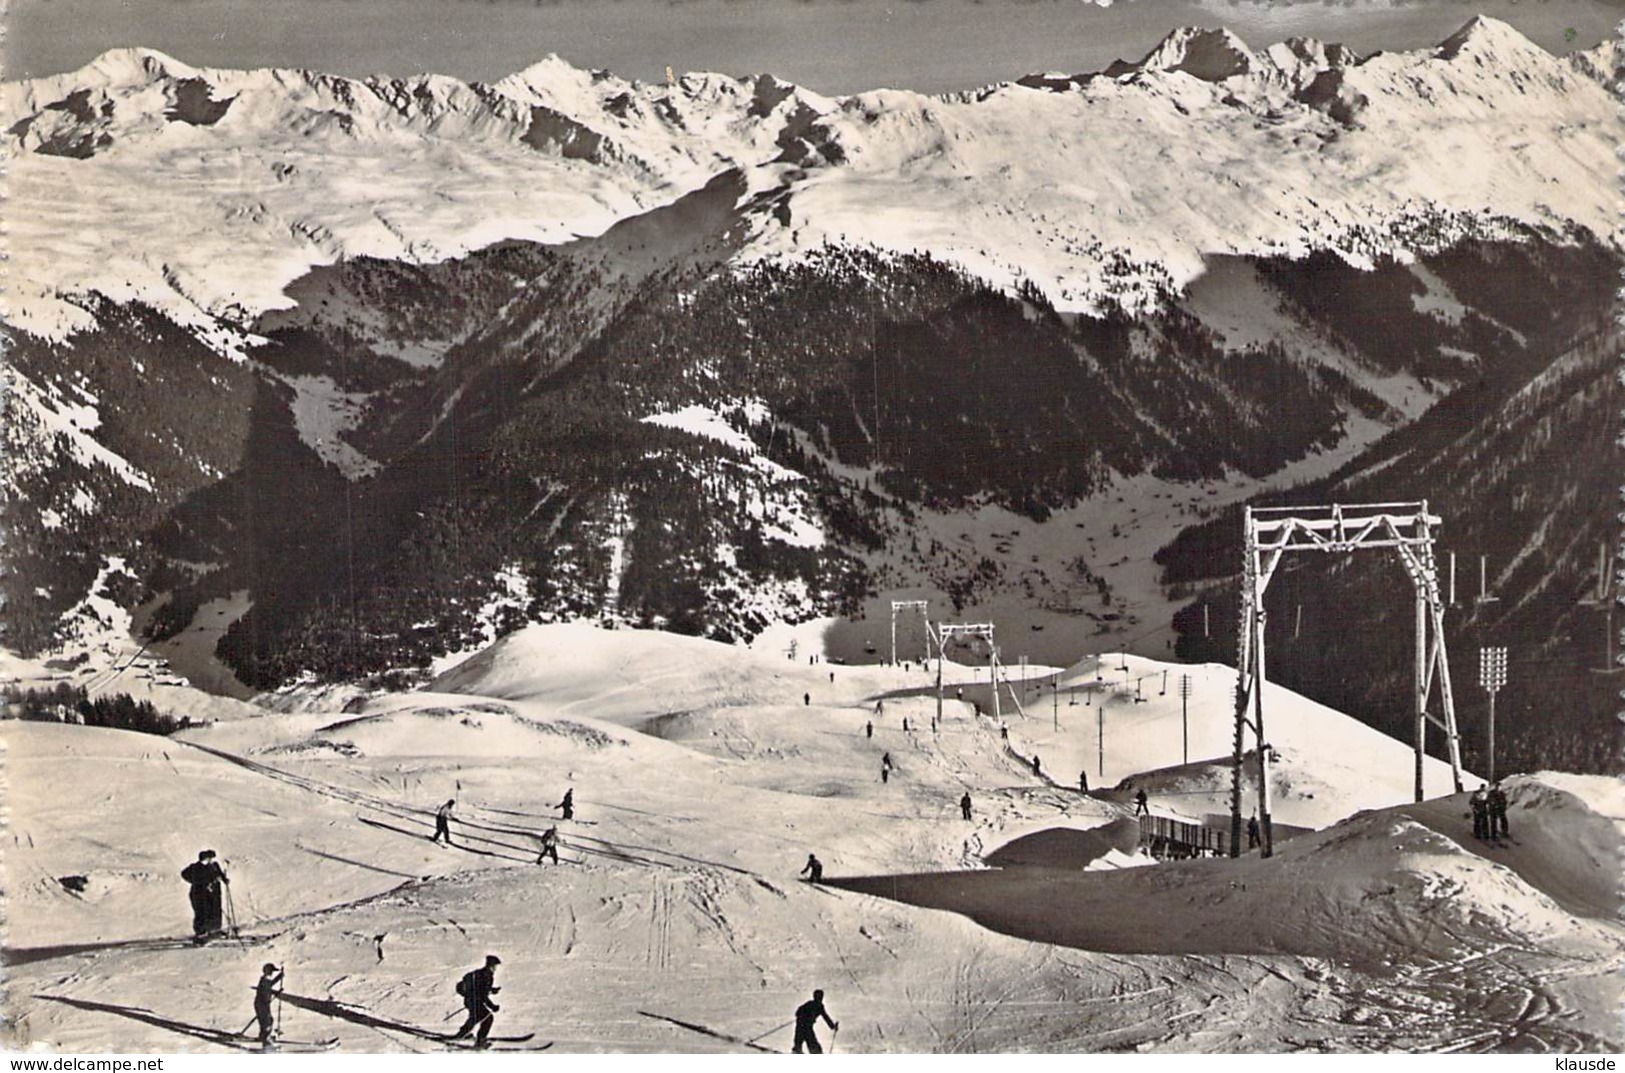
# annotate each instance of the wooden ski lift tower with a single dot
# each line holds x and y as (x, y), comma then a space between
(924, 608)
(948, 630)
(1271, 532)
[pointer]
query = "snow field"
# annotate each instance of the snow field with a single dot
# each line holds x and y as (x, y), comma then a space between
(701, 783)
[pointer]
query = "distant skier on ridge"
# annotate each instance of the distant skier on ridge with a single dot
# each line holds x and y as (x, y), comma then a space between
(1480, 805)
(1497, 802)
(807, 1015)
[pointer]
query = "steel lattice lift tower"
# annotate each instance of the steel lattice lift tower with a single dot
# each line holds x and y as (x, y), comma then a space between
(924, 608)
(947, 631)
(1271, 532)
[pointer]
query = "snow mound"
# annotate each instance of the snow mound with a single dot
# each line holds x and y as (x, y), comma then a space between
(1381, 891)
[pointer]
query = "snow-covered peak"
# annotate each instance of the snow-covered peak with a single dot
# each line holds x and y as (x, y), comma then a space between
(554, 80)
(1211, 55)
(1604, 62)
(131, 67)
(1482, 36)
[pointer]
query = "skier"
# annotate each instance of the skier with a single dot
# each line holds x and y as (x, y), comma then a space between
(905, 724)
(442, 822)
(1480, 805)
(869, 729)
(807, 1015)
(550, 845)
(1036, 770)
(964, 806)
(1497, 801)
(270, 981)
(806, 699)
(568, 804)
(206, 879)
(832, 676)
(880, 707)
(476, 987)
(1141, 808)
(1083, 782)
(885, 761)
(813, 869)
(1252, 831)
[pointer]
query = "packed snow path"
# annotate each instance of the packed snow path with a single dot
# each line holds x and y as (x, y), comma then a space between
(702, 781)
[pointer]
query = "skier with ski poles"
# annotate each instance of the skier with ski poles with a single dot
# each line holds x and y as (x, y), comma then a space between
(807, 1015)
(550, 846)
(270, 983)
(205, 879)
(568, 805)
(476, 988)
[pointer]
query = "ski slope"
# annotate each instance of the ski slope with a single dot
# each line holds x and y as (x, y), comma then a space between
(676, 923)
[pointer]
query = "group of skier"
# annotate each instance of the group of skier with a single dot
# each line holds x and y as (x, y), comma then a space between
(549, 841)
(1489, 805)
(474, 988)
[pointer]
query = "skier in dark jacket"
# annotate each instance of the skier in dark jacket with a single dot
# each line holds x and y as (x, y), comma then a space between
(1252, 832)
(477, 986)
(964, 806)
(1141, 808)
(1497, 801)
(1480, 805)
(568, 804)
(207, 881)
(550, 846)
(869, 729)
(807, 1015)
(270, 981)
(442, 822)
(813, 869)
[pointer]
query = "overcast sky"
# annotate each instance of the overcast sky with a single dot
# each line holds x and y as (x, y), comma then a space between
(834, 46)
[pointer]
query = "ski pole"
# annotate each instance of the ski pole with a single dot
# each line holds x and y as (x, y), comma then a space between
(770, 1031)
(834, 1032)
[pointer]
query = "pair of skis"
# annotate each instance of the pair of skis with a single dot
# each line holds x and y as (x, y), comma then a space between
(492, 1043)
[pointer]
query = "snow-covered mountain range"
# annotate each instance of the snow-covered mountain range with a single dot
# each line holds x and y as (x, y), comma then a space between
(206, 192)
(395, 365)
